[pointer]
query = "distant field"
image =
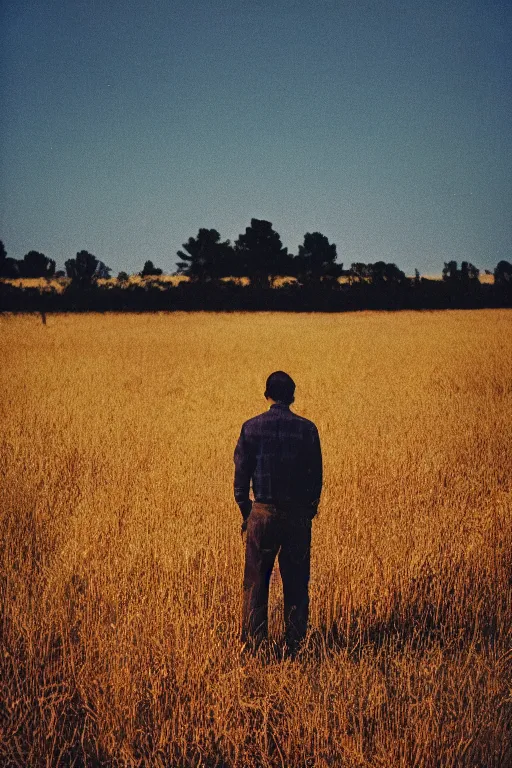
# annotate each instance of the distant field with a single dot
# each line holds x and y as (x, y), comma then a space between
(121, 558)
(58, 284)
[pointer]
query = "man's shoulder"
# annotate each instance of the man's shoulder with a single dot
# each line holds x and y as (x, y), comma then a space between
(257, 421)
(254, 421)
(306, 424)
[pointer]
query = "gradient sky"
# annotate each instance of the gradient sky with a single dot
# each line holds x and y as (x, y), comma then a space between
(384, 124)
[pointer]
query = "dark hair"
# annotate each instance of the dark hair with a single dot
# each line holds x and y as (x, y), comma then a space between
(280, 387)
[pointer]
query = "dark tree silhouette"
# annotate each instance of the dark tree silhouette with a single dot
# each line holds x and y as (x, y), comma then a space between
(85, 269)
(36, 264)
(381, 273)
(205, 257)
(359, 272)
(8, 267)
(466, 274)
(102, 271)
(3, 257)
(123, 277)
(150, 269)
(12, 268)
(450, 271)
(261, 254)
(316, 258)
(503, 274)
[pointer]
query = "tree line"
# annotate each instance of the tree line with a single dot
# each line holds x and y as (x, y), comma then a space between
(258, 254)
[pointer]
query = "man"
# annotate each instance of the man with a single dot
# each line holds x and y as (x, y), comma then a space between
(280, 453)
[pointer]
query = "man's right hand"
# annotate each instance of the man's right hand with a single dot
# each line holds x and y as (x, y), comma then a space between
(245, 508)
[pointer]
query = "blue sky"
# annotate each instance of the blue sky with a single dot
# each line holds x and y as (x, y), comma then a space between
(384, 124)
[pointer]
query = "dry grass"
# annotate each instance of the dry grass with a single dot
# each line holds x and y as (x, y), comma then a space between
(58, 284)
(121, 559)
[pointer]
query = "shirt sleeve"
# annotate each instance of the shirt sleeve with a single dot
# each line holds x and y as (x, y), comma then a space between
(315, 468)
(244, 467)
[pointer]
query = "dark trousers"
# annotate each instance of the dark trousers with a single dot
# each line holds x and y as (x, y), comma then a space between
(272, 531)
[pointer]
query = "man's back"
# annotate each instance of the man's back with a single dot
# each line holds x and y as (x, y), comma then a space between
(280, 452)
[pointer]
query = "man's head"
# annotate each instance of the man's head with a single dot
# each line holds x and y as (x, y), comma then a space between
(280, 388)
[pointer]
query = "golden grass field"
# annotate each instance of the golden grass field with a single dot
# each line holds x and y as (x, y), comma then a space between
(121, 556)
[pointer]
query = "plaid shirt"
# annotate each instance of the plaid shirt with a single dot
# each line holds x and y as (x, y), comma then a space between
(280, 452)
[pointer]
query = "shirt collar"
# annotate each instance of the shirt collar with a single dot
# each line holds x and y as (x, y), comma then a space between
(280, 405)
